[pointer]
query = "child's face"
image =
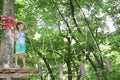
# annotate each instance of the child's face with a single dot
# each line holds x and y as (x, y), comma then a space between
(21, 26)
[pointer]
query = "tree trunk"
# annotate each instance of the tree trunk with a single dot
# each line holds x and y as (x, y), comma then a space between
(69, 59)
(73, 17)
(94, 66)
(69, 70)
(7, 43)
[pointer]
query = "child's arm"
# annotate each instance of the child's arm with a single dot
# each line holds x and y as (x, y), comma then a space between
(14, 35)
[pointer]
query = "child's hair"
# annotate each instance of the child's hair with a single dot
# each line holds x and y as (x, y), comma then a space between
(18, 23)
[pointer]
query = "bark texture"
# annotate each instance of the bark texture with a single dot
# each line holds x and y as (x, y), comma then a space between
(7, 43)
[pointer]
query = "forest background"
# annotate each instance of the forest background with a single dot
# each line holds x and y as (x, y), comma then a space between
(71, 32)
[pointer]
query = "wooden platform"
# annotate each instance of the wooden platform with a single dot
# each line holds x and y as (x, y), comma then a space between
(15, 73)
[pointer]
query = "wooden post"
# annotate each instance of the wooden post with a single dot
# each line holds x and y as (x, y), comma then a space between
(60, 69)
(40, 69)
(7, 43)
(107, 62)
(82, 70)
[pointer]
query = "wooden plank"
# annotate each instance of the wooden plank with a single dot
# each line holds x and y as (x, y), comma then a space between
(60, 69)
(82, 70)
(8, 70)
(15, 70)
(25, 70)
(14, 75)
(1, 69)
(107, 62)
(40, 69)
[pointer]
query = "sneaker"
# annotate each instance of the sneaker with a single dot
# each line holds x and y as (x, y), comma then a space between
(17, 66)
(25, 67)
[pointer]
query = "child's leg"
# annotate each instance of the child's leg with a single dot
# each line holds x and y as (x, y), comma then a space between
(23, 58)
(16, 59)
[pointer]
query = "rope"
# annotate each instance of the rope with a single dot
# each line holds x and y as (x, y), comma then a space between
(48, 34)
(85, 44)
(64, 53)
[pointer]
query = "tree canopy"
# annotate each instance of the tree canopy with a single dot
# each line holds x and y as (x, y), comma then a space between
(71, 32)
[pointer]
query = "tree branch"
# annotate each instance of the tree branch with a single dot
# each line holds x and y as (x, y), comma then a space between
(73, 17)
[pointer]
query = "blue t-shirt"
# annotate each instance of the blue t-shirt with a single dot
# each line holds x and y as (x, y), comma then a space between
(20, 37)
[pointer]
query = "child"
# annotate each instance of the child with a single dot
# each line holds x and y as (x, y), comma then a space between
(20, 43)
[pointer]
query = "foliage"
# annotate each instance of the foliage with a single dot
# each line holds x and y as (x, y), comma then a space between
(52, 34)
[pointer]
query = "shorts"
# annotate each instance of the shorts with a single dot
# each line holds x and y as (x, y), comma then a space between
(20, 48)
